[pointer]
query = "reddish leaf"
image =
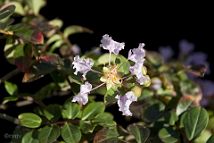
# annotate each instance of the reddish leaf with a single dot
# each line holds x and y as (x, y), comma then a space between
(52, 59)
(23, 63)
(37, 38)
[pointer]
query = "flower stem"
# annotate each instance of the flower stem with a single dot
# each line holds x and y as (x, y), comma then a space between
(97, 86)
(109, 59)
(95, 71)
(9, 75)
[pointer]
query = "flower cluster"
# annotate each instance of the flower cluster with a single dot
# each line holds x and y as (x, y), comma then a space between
(111, 76)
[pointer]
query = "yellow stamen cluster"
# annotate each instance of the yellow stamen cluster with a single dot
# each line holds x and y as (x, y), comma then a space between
(111, 77)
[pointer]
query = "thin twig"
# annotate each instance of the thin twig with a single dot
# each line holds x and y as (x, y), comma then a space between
(9, 118)
(95, 71)
(9, 75)
(97, 86)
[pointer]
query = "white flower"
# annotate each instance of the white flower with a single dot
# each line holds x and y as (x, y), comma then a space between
(137, 54)
(137, 70)
(109, 44)
(144, 80)
(125, 101)
(82, 65)
(82, 96)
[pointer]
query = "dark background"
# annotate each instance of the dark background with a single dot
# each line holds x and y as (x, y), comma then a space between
(154, 24)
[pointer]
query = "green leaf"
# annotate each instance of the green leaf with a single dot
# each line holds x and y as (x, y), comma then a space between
(183, 105)
(22, 31)
(36, 5)
(171, 118)
(46, 91)
(104, 119)
(11, 88)
(168, 135)
(52, 112)
(29, 138)
(204, 136)
(123, 65)
(104, 59)
(49, 134)
(211, 139)
(70, 133)
(56, 23)
(75, 29)
(194, 121)
(87, 126)
(106, 135)
(140, 133)
(30, 120)
(10, 98)
(70, 110)
(92, 110)
(19, 8)
(153, 112)
(6, 11)
(54, 38)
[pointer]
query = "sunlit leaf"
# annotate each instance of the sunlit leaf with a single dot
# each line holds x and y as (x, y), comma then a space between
(168, 135)
(70, 110)
(70, 133)
(11, 88)
(75, 29)
(19, 8)
(36, 5)
(49, 134)
(6, 11)
(92, 110)
(29, 138)
(183, 105)
(211, 139)
(30, 120)
(195, 121)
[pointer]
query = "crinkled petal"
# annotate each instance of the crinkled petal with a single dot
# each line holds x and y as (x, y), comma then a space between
(82, 96)
(125, 101)
(137, 71)
(137, 54)
(82, 65)
(86, 88)
(143, 79)
(109, 44)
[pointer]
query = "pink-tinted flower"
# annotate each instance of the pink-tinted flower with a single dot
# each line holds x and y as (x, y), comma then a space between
(82, 65)
(82, 96)
(109, 44)
(125, 101)
(137, 55)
